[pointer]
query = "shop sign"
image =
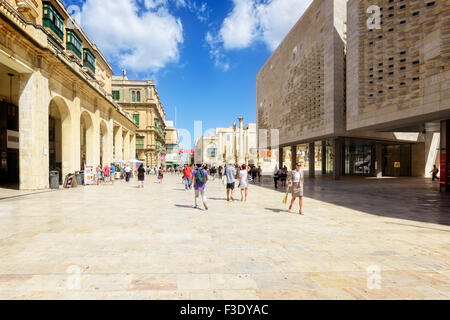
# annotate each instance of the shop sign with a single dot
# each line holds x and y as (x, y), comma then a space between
(88, 175)
(12, 139)
(397, 165)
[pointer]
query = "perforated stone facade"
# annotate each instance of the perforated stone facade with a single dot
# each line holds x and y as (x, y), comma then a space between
(400, 73)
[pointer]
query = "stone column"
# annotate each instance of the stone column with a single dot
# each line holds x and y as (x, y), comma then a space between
(76, 124)
(444, 171)
(234, 144)
(33, 104)
(294, 157)
(241, 140)
(133, 146)
(324, 157)
(280, 158)
(338, 156)
(118, 142)
(126, 146)
(379, 160)
(312, 160)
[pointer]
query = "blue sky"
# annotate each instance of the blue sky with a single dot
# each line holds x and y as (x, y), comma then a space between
(203, 54)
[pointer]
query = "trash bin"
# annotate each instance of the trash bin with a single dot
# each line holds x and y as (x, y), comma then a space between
(79, 177)
(54, 180)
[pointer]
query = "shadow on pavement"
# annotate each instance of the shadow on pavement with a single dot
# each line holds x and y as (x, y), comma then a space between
(415, 199)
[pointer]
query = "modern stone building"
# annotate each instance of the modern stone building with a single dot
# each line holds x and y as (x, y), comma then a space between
(349, 108)
(56, 108)
(172, 157)
(236, 144)
(399, 79)
(140, 99)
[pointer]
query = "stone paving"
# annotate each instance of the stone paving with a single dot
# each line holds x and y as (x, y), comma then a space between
(121, 242)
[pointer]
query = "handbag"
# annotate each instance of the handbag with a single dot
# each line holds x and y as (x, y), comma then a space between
(285, 198)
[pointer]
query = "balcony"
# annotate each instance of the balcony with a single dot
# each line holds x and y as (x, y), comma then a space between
(52, 20)
(74, 43)
(89, 60)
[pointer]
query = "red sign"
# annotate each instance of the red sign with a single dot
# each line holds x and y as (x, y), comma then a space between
(443, 174)
(188, 151)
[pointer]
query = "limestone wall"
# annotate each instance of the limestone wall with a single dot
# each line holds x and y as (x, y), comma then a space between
(400, 73)
(300, 89)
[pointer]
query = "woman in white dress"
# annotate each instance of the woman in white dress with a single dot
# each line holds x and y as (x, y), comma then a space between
(243, 182)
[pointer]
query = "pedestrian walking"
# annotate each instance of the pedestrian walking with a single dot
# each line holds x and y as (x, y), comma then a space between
(141, 176)
(200, 179)
(112, 171)
(243, 182)
(127, 171)
(230, 173)
(99, 174)
(220, 172)
(435, 172)
(106, 173)
(259, 174)
(160, 175)
(295, 184)
(276, 177)
(283, 177)
(187, 174)
(254, 172)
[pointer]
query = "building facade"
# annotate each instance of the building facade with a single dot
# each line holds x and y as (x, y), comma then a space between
(329, 101)
(56, 108)
(237, 144)
(172, 157)
(399, 78)
(140, 99)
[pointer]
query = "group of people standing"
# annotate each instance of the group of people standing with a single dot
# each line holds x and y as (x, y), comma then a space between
(197, 177)
(105, 174)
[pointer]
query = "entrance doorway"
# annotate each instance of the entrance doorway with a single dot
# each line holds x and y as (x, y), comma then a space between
(9, 129)
(397, 160)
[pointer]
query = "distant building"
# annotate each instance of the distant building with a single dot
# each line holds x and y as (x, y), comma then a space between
(173, 158)
(140, 99)
(237, 144)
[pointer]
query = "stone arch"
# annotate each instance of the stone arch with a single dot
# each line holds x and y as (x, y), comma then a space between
(60, 137)
(87, 140)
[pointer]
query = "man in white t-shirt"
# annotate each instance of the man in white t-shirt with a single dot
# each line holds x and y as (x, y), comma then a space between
(127, 173)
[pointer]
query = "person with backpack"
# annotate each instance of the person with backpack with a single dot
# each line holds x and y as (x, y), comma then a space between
(200, 178)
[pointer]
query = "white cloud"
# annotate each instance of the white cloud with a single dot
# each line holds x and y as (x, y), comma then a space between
(277, 17)
(151, 4)
(251, 21)
(216, 53)
(239, 28)
(136, 39)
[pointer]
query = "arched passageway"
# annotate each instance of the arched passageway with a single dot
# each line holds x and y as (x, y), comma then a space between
(60, 137)
(87, 136)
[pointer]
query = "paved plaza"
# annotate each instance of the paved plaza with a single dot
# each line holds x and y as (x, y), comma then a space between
(121, 242)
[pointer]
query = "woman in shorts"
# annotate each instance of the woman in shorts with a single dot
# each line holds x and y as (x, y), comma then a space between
(160, 174)
(243, 182)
